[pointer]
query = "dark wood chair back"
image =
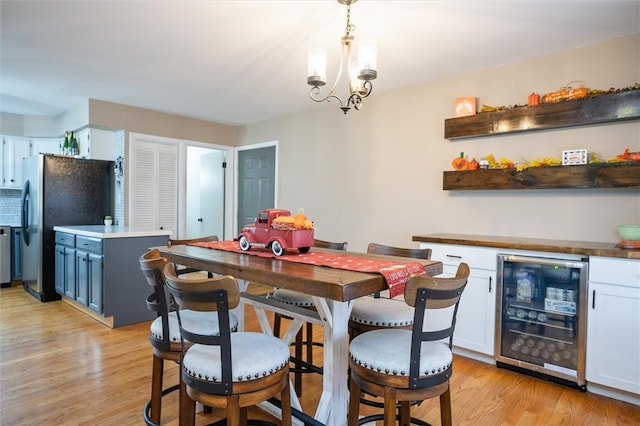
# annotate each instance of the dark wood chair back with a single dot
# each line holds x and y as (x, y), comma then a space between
(384, 250)
(330, 245)
(152, 265)
(375, 248)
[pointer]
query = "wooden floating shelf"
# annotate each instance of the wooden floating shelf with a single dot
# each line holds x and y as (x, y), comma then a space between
(601, 109)
(599, 175)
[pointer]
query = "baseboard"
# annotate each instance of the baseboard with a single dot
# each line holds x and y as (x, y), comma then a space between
(108, 321)
(487, 359)
(631, 398)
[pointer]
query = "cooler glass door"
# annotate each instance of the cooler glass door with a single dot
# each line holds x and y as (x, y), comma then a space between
(542, 317)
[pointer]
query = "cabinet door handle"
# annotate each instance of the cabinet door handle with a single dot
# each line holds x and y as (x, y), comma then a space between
(454, 256)
(490, 279)
(593, 300)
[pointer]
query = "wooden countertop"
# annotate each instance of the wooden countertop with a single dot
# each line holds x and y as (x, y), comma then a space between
(586, 248)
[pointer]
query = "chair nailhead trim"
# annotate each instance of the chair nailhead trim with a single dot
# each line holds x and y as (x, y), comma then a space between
(382, 323)
(239, 378)
(402, 373)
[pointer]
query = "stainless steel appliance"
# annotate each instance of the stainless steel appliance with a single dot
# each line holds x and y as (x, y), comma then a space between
(16, 253)
(58, 190)
(5, 256)
(541, 319)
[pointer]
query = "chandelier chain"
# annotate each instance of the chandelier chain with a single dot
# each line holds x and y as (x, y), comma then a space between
(350, 27)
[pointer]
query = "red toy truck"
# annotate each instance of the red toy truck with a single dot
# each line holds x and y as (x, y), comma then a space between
(286, 232)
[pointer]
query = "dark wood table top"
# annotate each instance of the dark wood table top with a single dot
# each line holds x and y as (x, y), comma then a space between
(335, 284)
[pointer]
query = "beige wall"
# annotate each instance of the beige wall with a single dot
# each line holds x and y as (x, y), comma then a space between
(113, 116)
(138, 120)
(376, 174)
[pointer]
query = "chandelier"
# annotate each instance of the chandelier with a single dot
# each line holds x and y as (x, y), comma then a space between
(360, 72)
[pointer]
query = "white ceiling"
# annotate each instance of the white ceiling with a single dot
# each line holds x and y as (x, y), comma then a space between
(238, 62)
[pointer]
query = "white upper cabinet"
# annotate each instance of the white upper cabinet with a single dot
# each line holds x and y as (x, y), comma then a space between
(97, 144)
(46, 145)
(14, 149)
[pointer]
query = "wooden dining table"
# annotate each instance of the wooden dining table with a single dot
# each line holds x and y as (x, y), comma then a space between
(333, 292)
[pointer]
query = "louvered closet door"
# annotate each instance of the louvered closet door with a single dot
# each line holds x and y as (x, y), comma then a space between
(154, 185)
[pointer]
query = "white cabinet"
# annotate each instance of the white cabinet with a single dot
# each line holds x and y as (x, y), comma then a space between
(475, 323)
(14, 149)
(97, 144)
(46, 145)
(613, 325)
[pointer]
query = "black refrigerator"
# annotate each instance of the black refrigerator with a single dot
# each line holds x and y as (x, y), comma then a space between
(58, 190)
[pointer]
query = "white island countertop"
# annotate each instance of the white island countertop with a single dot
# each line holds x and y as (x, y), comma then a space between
(114, 231)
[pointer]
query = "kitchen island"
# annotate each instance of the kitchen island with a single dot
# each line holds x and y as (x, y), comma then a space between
(97, 270)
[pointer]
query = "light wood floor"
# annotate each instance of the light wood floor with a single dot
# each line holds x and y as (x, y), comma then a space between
(60, 367)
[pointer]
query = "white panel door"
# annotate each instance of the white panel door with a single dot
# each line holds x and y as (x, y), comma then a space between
(205, 192)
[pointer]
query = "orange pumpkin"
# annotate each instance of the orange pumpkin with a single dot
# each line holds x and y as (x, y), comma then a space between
(460, 163)
(474, 165)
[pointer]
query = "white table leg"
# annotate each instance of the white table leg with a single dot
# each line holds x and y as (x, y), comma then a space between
(334, 401)
(239, 310)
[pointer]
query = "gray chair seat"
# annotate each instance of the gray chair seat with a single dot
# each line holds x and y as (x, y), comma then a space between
(388, 351)
(292, 298)
(201, 322)
(381, 312)
(253, 355)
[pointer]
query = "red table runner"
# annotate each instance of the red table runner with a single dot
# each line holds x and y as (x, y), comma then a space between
(395, 273)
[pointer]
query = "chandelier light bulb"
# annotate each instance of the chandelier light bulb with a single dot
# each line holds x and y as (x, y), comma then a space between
(317, 75)
(356, 85)
(367, 60)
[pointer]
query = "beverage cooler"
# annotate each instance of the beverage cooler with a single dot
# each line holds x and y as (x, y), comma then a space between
(541, 319)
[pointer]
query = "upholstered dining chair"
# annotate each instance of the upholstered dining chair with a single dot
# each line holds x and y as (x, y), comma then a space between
(301, 300)
(409, 365)
(380, 311)
(222, 369)
(164, 333)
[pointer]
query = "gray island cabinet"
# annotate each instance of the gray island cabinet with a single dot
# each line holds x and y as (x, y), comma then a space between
(97, 270)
